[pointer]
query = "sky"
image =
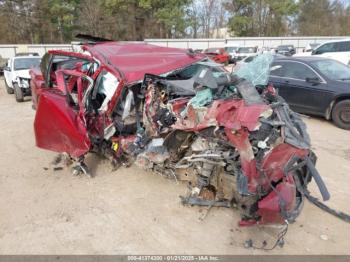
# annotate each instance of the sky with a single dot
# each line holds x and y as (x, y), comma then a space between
(346, 2)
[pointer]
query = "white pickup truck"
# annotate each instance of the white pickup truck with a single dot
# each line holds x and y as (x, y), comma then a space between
(16, 73)
(337, 49)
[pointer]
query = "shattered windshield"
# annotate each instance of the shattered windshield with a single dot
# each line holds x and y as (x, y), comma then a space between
(26, 63)
(257, 71)
(185, 81)
(249, 59)
(250, 75)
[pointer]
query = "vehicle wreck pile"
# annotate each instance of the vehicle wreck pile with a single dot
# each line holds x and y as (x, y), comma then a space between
(231, 137)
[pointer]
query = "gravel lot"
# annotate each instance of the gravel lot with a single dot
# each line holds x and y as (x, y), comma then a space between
(130, 211)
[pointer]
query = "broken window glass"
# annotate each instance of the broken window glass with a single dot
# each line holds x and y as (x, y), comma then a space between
(107, 85)
(257, 71)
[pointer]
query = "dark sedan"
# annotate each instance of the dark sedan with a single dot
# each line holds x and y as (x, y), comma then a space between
(315, 86)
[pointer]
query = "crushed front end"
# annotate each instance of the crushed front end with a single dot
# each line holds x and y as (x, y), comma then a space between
(236, 143)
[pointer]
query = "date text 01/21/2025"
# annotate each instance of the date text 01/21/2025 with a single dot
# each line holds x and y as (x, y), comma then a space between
(173, 258)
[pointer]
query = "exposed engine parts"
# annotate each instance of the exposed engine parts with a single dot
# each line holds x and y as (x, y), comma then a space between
(251, 155)
(234, 141)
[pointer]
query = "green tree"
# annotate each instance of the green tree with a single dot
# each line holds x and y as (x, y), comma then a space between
(169, 15)
(261, 17)
(314, 17)
(63, 13)
(57, 21)
(323, 17)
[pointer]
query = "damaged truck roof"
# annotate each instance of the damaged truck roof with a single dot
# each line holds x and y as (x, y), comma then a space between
(132, 60)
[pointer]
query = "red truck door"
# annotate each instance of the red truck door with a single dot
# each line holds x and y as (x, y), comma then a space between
(59, 123)
(51, 62)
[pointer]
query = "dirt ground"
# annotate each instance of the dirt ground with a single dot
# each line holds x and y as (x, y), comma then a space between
(130, 211)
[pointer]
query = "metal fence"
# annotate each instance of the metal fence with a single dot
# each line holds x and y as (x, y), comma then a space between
(7, 51)
(272, 42)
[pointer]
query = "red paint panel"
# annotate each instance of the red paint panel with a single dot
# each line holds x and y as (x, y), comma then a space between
(233, 114)
(179, 105)
(269, 207)
(237, 115)
(274, 163)
(58, 127)
(37, 80)
(136, 59)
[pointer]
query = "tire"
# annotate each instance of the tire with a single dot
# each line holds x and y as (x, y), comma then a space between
(341, 114)
(18, 93)
(9, 90)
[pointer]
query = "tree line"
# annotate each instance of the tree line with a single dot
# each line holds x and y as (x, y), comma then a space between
(57, 21)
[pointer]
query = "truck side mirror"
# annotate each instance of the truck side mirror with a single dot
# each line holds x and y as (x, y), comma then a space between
(7, 68)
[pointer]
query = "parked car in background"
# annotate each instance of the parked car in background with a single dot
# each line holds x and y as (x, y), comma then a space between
(218, 55)
(231, 50)
(308, 49)
(338, 50)
(265, 50)
(311, 46)
(244, 52)
(314, 85)
(17, 78)
(286, 50)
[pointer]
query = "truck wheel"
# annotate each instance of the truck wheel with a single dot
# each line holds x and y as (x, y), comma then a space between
(9, 90)
(18, 92)
(341, 114)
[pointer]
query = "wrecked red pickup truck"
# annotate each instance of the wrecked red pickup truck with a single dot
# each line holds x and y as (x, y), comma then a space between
(231, 137)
